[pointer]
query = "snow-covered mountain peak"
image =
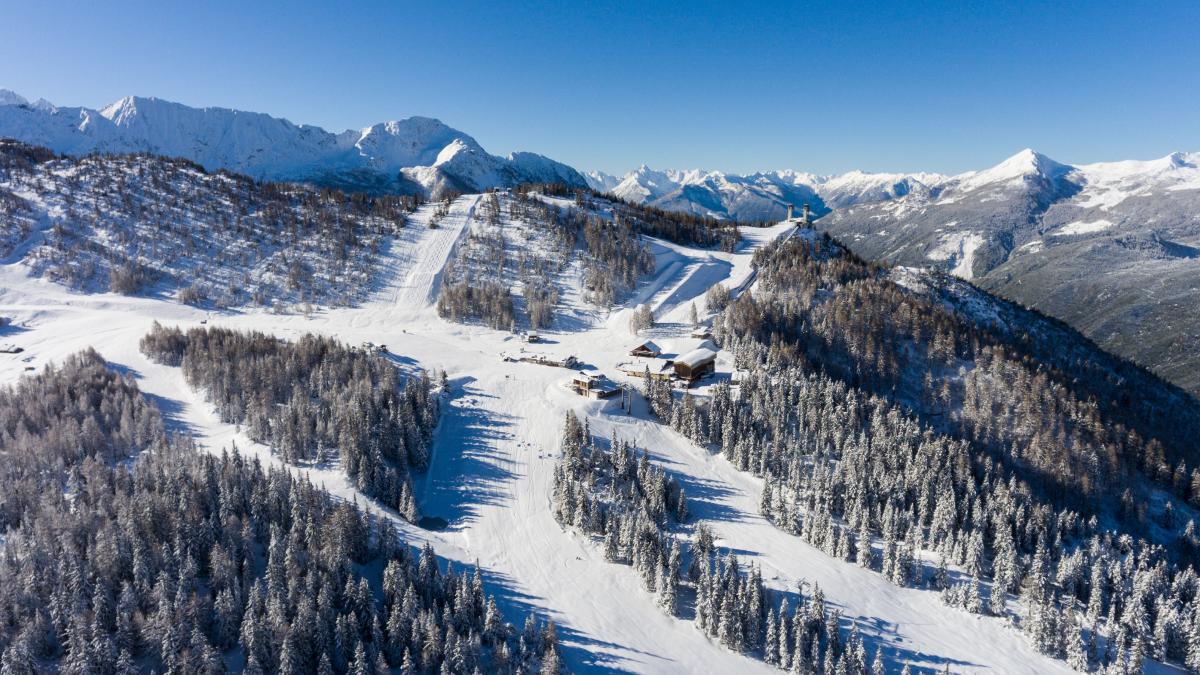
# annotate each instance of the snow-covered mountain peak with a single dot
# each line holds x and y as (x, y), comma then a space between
(601, 181)
(1025, 164)
(10, 97)
(415, 141)
(453, 149)
(1180, 160)
(645, 183)
(121, 110)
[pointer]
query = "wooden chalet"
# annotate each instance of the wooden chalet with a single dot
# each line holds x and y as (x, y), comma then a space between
(646, 350)
(696, 364)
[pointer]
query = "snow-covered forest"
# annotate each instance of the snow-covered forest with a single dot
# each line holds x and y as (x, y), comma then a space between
(135, 224)
(637, 511)
(995, 478)
(185, 562)
(524, 254)
(312, 398)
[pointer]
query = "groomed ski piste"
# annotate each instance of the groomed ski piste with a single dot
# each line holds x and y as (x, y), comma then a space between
(495, 450)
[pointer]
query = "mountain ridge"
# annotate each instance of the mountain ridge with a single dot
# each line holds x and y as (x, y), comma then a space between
(416, 154)
(751, 196)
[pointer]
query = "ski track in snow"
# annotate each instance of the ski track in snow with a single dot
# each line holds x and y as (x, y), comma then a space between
(492, 468)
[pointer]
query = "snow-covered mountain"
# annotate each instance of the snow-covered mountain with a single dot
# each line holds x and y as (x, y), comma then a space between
(418, 154)
(766, 194)
(757, 196)
(1111, 248)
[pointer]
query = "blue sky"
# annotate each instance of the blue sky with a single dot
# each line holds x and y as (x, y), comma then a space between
(824, 87)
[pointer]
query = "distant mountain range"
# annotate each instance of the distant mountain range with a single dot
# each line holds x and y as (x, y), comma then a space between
(413, 155)
(758, 196)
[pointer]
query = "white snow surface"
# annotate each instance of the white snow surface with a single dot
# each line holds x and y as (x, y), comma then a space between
(1079, 227)
(495, 449)
(1110, 183)
(958, 248)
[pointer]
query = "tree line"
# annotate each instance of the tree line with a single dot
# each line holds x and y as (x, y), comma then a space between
(688, 229)
(632, 507)
(484, 282)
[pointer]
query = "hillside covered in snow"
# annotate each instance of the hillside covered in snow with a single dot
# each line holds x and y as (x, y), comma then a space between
(1111, 248)
(445, 425)
(414, 155)
(140, 224)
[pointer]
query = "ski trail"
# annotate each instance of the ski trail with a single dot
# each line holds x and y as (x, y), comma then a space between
(421, 255)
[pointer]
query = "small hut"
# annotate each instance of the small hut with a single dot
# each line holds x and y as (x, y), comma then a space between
(695, 364)
(647, 350)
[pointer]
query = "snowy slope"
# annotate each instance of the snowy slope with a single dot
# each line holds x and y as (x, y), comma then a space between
(493, 460)
(415, 154)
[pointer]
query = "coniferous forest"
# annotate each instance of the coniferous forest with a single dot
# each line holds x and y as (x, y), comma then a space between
(312, 398)
(511, 267)
(895, 426)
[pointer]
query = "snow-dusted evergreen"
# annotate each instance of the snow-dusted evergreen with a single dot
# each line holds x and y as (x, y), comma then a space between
(72, 414)
(620, 496)
(872, 467)
(633, 507)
